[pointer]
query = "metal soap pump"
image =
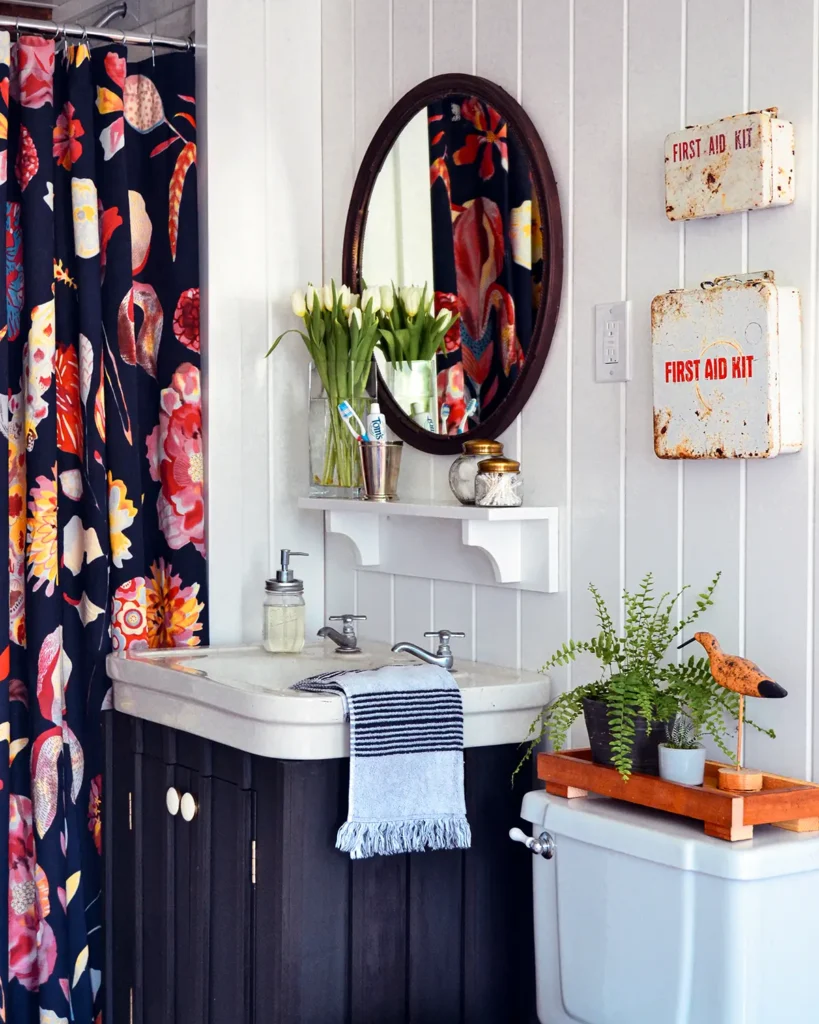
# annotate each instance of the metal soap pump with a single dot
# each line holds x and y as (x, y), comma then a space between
(283, 630)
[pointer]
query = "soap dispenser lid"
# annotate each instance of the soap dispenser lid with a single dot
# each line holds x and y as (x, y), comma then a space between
(285, 581)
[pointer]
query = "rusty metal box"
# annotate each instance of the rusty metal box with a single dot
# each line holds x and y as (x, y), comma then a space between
(743, 162)
(727, 369)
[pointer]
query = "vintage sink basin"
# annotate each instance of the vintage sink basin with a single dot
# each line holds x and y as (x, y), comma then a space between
(240, 696)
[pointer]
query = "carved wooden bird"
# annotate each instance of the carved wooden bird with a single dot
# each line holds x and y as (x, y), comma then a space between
(735, 673)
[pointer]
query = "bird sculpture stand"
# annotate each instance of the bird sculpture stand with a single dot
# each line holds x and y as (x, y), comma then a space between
(748, 680)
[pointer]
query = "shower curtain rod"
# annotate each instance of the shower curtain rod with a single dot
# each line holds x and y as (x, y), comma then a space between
(83, 32)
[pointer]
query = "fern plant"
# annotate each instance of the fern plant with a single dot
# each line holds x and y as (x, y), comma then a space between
(636, 680)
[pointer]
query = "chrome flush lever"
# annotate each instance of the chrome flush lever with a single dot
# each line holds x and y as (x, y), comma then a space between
(544, 845)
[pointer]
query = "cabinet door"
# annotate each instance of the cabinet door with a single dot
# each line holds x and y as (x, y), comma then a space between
(179, 892)
(220, 892)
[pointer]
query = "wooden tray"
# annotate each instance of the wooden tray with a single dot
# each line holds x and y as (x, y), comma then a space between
(787, 803)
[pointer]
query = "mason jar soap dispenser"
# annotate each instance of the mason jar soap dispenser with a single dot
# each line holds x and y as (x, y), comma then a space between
(283, 631)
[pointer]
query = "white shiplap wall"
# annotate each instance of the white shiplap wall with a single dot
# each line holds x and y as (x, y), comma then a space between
(604, 81)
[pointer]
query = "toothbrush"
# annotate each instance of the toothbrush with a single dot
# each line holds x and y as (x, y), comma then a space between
(470, 411)
(445, 410)
(348, 415)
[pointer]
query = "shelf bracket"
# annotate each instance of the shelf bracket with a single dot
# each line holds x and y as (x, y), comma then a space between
(501, 543)
(362, 529)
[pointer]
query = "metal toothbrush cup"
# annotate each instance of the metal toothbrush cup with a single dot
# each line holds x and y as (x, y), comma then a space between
(380, 463)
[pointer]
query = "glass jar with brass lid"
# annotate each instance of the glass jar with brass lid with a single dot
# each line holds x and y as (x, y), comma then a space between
(464, 469)
(499, 483)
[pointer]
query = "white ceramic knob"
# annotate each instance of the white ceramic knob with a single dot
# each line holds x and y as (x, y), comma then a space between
(188, 806)
(172, 800)
(544, 845)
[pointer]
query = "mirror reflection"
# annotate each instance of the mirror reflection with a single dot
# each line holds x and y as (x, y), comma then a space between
(453, 242)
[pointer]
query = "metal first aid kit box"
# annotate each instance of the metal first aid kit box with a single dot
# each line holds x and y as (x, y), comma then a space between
(727, 369)
(743, 162)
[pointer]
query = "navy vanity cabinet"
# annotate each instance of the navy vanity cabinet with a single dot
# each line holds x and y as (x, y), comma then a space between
(178, 893)
(249, 915)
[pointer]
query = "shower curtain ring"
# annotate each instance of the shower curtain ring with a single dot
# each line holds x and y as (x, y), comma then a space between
(153, 52)
(84, 40)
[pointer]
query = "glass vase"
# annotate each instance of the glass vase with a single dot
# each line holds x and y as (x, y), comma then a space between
(335, 468)
(414, 387)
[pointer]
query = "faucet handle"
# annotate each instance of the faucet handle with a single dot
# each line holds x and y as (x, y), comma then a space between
(444, 635)
(348, 629)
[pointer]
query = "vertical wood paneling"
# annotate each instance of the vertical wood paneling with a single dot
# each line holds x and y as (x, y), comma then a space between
(497, 625)
(338, 117)
(546, 96)
(413, 609)
(294, 220)
(375, 601)
(779, 576)
(597, 261)
(713, 522)
(653, 258)
(338, 169)
(237, 323)
(454, 608)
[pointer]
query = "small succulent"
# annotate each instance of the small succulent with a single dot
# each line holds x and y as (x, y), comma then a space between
(682, 734)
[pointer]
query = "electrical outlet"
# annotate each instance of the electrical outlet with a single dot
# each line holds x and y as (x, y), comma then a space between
(612, 342)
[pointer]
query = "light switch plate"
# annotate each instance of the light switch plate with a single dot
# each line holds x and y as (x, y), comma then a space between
(612, 342)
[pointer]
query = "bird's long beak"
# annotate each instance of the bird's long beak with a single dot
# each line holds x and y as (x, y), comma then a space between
(768, 688)
(685, 643)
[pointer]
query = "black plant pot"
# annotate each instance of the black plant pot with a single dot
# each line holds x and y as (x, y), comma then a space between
(645, 756)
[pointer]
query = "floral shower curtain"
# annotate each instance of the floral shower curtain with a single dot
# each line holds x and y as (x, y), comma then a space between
(101, 422)
(486, 252)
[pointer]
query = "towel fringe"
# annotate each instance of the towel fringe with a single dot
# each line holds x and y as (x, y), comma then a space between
(370, 838)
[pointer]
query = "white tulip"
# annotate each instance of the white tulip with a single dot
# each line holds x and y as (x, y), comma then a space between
(310, 298)
(412, 300)
(386, 298)
(355, 314)
(327, 296)
(444, 316)
(346, 297)
(297, 303)
(371, 295)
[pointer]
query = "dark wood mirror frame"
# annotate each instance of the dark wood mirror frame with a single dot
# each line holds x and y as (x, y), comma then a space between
(523, 130)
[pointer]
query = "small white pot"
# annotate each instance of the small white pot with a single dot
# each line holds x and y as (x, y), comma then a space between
(685, 766)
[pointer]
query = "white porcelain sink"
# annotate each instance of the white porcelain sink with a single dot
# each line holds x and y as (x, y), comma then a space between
(240, 696)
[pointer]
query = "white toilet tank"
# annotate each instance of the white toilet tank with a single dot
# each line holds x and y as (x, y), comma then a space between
(642, 919)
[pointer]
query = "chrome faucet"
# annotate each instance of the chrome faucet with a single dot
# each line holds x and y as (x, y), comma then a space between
(443, 657)
(346, 641)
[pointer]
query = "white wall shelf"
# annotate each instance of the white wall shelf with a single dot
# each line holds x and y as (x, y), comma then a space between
(516, 547)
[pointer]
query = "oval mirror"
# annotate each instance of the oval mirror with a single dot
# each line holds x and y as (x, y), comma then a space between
(455, 218)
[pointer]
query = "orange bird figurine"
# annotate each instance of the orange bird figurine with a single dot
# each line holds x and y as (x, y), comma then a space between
(748, 680)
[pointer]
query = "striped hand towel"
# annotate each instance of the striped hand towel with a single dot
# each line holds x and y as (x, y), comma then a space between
(406, 759)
